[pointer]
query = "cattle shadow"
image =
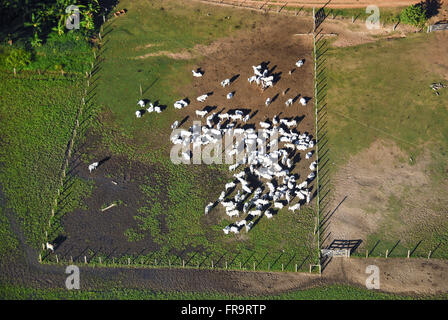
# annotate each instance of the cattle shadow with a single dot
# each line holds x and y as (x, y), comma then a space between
(233, 78)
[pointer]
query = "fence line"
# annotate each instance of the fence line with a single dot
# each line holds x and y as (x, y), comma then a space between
(67, 155)
(245, 263)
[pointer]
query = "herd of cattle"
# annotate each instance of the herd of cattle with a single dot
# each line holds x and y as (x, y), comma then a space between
(266, 155)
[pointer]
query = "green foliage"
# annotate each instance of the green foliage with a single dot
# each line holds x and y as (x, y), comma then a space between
(70, 52)
(414, 15)
(18, 58)
(37, 120)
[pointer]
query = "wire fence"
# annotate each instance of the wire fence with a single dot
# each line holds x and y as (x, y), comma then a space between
(64, 178)
(319, 49)
(244, 260)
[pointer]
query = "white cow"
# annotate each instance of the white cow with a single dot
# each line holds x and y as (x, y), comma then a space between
(294, 207)
(302, 101)
(141, 103)
(196, 74)
(180, 104)
(230, 185)
(288, 102)
(225, 82)
(278, 205)
(300, 63)
(230, 95)
(201, 113)
(202, 98)
(93, 166)
(49, 246)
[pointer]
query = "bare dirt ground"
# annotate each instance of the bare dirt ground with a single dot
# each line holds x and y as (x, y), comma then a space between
(401, 276)
(368, 179)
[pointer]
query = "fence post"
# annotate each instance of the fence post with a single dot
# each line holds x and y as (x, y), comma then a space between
(57, 260)
(40, 258)
(183, 263)
(71, 259)
(387, 253)
(226, 264)
(254, 265)
(367, 254)
(429, 254)
(296, 267)
(141, 92)
(240, 265)
(169, 262)
(282, 266)
(129, 261)
(14, 72)
(85, 259)
(99, 259)
(409, 253)
(104, 19)
(212, 264)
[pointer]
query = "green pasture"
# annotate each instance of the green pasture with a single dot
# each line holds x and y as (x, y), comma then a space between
(37, 114)
(332, 292)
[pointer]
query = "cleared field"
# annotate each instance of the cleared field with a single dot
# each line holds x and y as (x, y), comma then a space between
(388, 141)
(38, 114)
(160, 212)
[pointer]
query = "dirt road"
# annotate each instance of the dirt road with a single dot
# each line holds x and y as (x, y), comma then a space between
(319, 3)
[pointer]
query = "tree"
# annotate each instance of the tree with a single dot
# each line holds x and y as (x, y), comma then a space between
(18, 58)
(414, 15)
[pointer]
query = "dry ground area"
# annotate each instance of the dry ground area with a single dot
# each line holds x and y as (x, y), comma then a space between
(384, 193)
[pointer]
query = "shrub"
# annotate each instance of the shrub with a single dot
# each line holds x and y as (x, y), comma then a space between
(414, 15)
(18, 58)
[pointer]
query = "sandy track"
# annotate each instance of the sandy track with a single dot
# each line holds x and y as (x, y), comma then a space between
(319, 3)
